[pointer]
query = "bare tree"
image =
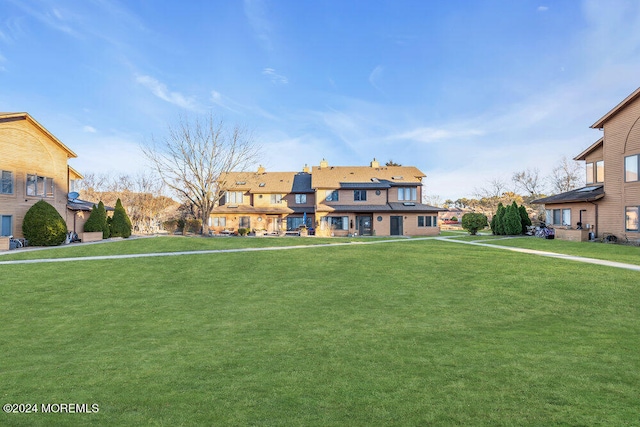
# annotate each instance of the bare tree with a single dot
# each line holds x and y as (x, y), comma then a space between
(495, 188)
(195, 156)
(530, 181)
(432, 200)
(142, 196)
(566, 176)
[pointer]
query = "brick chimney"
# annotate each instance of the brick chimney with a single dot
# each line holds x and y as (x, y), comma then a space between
(375, 163)
(324, 163)
(261, 169)
(306, 169)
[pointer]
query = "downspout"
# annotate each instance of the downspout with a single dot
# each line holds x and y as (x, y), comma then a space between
(595, 228)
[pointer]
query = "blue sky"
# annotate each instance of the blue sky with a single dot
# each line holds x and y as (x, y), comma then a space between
(468, 91)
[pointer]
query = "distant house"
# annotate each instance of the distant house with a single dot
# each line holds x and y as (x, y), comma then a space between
(333, 200)
(610, 202)
(33, 167)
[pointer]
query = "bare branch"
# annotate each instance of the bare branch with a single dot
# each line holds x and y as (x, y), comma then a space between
(195, 156)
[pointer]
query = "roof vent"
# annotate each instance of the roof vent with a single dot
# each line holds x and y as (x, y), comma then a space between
(262, 184)
(397, 177)
(241, 182)
(375, 180)
(409, 204)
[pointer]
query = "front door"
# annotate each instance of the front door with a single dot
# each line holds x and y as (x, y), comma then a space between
(273, 224)
(364, 225)
(396, 226)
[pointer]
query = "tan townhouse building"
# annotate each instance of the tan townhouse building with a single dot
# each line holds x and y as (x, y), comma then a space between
(34, 166)
(329, 200)
(608, 206)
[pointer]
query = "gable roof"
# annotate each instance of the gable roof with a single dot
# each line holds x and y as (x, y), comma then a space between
(593, 147)
(585, 194)
(267, 182)
(383, 176)
(6, 117)
(600, 123)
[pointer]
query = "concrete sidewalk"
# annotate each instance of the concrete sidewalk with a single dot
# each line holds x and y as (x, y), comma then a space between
(546, 254)
(451, 239)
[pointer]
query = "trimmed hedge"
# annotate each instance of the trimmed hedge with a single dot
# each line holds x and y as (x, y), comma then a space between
(43, 225)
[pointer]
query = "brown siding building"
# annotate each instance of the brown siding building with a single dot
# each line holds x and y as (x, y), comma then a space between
(33, 167)
(610, 202)
(330, 200)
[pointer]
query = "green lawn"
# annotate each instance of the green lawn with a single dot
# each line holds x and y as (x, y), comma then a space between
(419, 332)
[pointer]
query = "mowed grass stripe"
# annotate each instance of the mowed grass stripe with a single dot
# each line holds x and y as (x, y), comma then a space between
(399, 334)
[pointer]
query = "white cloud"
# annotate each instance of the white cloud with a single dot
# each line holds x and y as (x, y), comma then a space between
(256, 13)
(89, 129)
(275, 77)
(431, 135)
(375, 76)
(161, 91)
(542, 8)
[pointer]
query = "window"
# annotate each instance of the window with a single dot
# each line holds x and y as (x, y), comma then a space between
(234, 198)
(219, 221)
(427, 221)
(245, 222)
(74, 185)
(301, 198)
(600, 171)
(359, 195)
(335, 222)
(558, 216)
(6, 182)
(276, 198)
(589, 173)
(39, 186)
(407, 193)
(631, 218)
(5, 225)
(331, 196)
(631, 168)
(293, 223)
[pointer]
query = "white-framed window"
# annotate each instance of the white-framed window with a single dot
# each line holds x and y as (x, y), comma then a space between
(335, 222)
(39, 186)
(301, 199)
(219, 221)
(74, 185)
(427, 221)
(407, 193)
(276, 198)
(631, 164)
(331, 196)
(6, 225)
(631, 214)
(6, 182)
(359, 195)
(234, 197)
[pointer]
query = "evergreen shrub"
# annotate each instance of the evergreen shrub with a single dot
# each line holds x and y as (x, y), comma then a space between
(472, 222)
(120, 222)
(43, 225)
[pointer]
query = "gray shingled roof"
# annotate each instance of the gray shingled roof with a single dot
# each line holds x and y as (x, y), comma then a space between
(388, 207)
(584, 194)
